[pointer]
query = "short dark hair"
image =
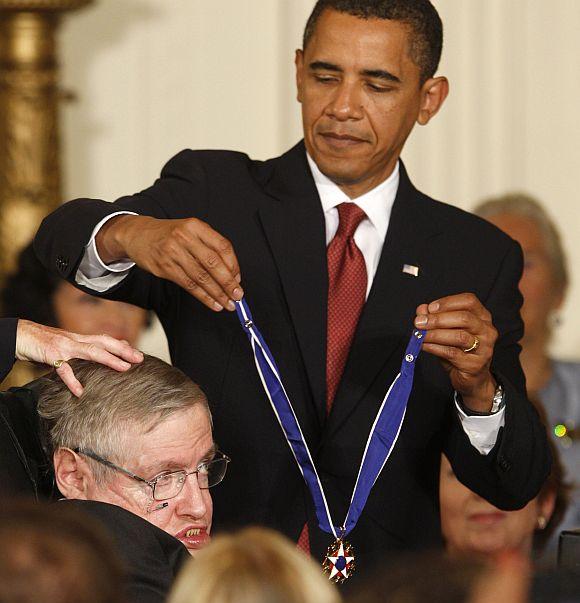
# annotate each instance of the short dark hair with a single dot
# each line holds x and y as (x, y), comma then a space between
(28, 292)
(55, 554)
(419, 15)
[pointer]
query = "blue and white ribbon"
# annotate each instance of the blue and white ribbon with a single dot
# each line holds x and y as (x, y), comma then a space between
(380, 443)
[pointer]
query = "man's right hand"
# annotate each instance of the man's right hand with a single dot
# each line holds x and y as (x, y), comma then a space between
(188, 252)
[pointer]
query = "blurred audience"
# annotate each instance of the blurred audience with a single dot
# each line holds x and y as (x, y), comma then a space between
(255, 565)
(473, 526)
(32, 293)
(553, 383)
(55, 555)
(140, 439)
(437, 578)
(151, 557)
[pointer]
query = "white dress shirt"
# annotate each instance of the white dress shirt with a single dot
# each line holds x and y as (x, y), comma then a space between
(377, 204)
(369, 238)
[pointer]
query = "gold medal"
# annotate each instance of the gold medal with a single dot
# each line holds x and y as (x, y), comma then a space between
(339, 561)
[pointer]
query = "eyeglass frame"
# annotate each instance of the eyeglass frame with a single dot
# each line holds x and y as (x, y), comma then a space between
(152, 483)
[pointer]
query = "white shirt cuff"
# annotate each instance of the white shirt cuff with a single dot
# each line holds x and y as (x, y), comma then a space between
(92, 272)
(481, 430)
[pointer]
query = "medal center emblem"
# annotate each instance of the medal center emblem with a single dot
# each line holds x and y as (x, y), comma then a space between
(339, 561)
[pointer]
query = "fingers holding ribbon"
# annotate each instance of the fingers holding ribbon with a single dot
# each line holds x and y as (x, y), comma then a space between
(461, 334)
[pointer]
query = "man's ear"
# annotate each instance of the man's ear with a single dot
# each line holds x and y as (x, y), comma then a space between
(72, 474)
(299, 62)
(433, 94)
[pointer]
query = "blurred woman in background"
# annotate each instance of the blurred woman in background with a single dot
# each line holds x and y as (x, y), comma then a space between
(32, 293)
(474, 526)
(555, 384)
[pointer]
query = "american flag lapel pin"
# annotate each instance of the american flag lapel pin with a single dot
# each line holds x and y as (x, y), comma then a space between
(410, 269)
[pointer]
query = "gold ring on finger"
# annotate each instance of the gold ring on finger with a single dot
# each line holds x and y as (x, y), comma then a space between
(58, 363)
(473, 346)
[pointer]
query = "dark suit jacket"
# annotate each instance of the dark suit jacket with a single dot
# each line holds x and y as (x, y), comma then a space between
(272, 214)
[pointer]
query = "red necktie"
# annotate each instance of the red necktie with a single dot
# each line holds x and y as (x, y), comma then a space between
(347, 288)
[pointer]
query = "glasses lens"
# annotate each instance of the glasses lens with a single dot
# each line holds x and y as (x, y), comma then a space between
(209, 474)
(214, 474)
(169, 485)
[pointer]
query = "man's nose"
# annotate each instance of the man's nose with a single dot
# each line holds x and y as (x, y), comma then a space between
(346, 102)
(191, 500)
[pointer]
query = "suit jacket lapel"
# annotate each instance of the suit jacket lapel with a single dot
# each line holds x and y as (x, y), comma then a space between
(295, 228)
(386, 322)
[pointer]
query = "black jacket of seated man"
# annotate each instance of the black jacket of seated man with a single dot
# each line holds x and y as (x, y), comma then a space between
(152, 557)
(24, 467)
(271, 212)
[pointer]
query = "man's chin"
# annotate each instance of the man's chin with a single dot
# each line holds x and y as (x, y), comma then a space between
(341, 171)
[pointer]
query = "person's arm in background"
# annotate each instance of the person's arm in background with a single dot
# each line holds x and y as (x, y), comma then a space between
(8, 327)
(29, 341)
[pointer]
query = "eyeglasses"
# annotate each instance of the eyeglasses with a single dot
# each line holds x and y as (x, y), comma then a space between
(170, 484)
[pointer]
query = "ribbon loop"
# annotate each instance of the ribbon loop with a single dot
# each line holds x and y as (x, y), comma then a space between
(382, 436)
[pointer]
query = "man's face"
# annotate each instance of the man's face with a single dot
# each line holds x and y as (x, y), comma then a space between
(182, 441)
(361, 95)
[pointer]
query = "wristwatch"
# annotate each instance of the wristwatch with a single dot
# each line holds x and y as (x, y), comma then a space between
(497, 403)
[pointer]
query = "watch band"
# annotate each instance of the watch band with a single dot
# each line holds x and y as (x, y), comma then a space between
(497, 403)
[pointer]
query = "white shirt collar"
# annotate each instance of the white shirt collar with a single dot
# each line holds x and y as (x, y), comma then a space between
(376, 203)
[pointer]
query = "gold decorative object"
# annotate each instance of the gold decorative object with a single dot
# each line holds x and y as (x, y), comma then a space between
(29, 140)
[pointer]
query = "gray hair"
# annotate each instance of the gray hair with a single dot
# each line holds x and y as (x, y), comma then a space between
(145, 395)
(526, 206)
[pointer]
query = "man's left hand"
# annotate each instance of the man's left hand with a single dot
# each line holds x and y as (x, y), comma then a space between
(460, 332)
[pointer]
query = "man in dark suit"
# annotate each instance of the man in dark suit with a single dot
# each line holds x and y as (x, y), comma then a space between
(339, 256)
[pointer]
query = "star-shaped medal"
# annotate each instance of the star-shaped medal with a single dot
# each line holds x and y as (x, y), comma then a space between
(339, 561)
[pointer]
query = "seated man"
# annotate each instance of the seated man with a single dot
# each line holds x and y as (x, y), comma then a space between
(24, 467)
(140, 440)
